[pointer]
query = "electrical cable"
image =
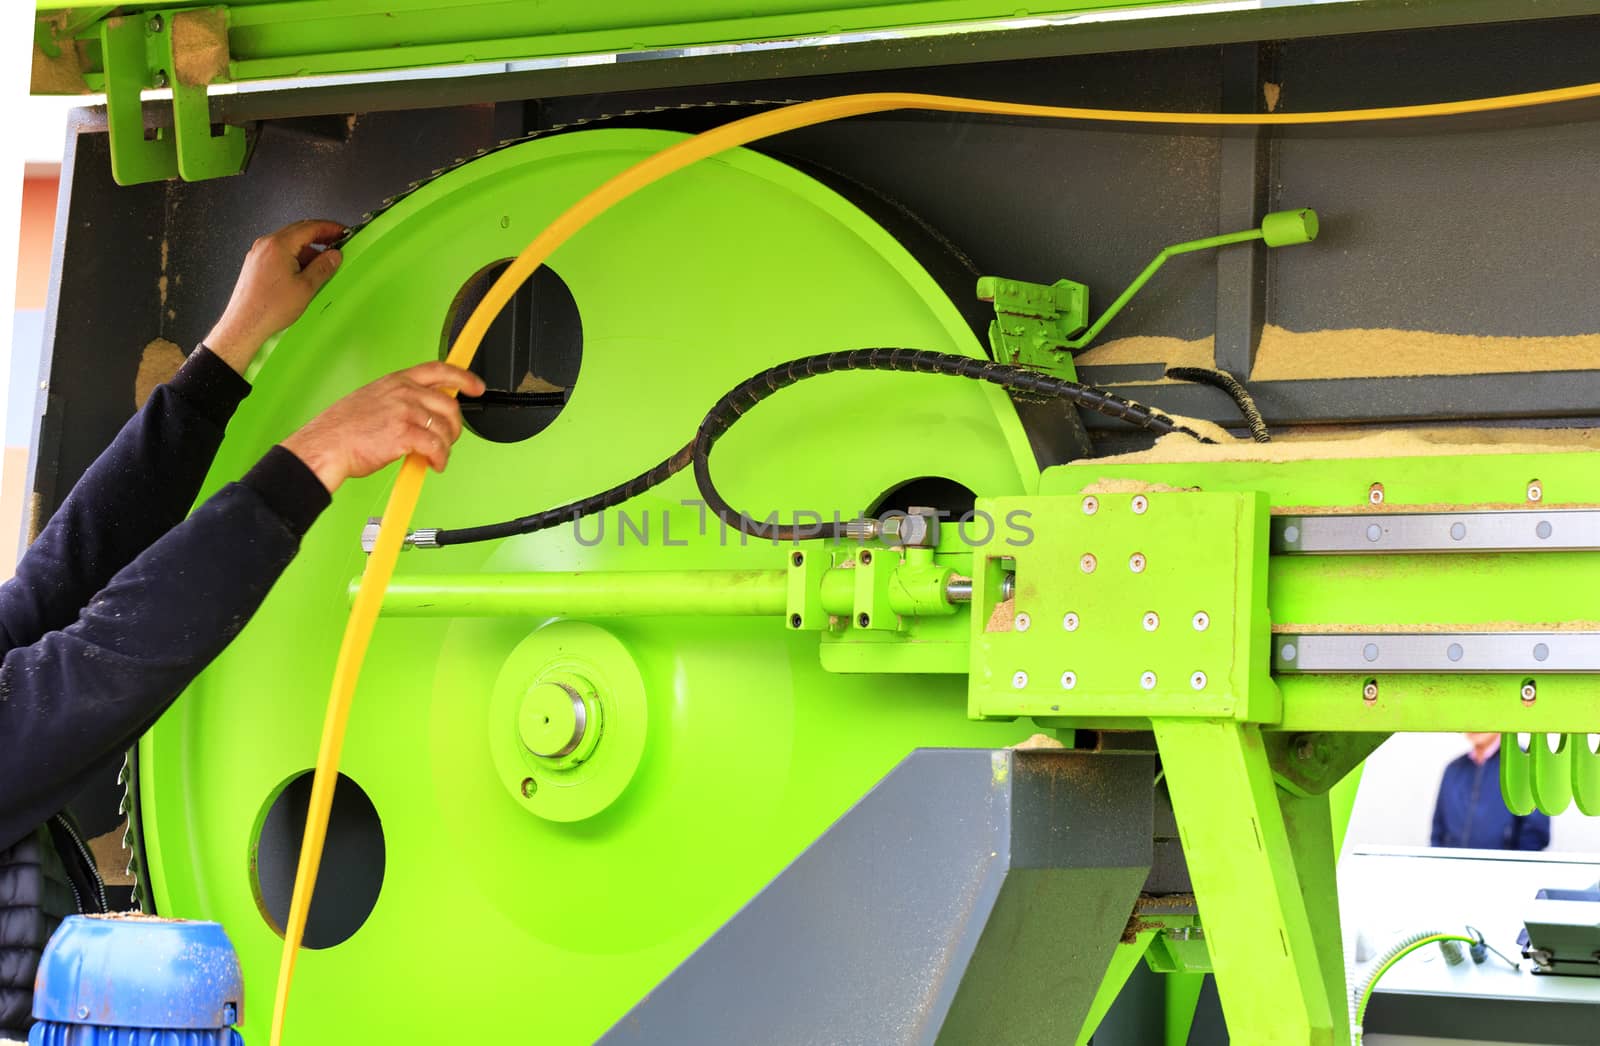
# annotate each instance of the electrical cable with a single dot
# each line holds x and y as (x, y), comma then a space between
(1221, 379)
(408, 485)
(739, 401)
(1360, 996)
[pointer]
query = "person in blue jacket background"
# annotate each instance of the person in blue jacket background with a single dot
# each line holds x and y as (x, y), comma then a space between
(1470, 811)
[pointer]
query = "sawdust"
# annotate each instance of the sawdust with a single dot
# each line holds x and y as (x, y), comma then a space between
(111, 858)
(350, 123)
(531, 382)
(59, 75)
(200, 46)
(132, 917)
(1386, 353)
(1037, 741)
(1325, 444)
(1436, 627)
(160, 361)
(1378, 352)
(161, 288)
(62, 74)
(1174, 352)
(1130, 486)
(1271, 92)
(164, 252)
(1002, 617)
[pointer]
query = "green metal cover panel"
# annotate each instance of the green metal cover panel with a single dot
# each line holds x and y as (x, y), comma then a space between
(272, 38)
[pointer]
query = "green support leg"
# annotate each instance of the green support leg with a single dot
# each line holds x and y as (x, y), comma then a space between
(1183, 999)
(1280, 978)
(1312, 842)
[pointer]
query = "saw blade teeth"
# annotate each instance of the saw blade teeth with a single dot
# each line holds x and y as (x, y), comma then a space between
(581, 123)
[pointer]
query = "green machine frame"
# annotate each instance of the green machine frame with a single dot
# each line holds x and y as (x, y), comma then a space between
(1164, 598)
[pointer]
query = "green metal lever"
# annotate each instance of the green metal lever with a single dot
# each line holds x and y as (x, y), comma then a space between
(1035, 322)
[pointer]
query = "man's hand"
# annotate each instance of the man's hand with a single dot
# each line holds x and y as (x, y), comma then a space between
(379, 423)
(276, 283)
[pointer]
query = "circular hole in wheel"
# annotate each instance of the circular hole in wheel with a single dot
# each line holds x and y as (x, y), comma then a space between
(529, 357)
(351, 874)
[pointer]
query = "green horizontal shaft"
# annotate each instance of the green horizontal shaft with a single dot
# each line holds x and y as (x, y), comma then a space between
(635, 594)
(1150, 270)
(588, 594)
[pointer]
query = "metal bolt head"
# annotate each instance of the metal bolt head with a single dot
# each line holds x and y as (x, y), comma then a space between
(1535, 491)
(1070, 622)
(1136, 562)
(529, 786)
(1087, 563)
(155, 24)
(1198, 681)
(1375, 494)
(1069, 680)
(1020, 680)
(1140, 503)
(1530, 692)
(1091, 505)
(1152, 621)
(1369, 692)
(161, 78)
(1202, 621)
(1305, 750)
(1148, 680)
(1022, 623)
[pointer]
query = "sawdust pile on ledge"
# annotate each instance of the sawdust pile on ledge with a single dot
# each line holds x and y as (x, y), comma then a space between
(1381, 352)
(1324, 443)
(1384, 353)
(1174, 352)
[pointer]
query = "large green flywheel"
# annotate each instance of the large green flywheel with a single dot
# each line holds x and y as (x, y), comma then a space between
(479, 876)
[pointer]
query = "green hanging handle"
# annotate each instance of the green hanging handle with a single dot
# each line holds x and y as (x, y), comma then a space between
(1552, 773)
(1585, 775)
(1516, 773)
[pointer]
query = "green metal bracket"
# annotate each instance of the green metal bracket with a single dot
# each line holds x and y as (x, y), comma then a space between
(1179, 949)
(1041, 326)
(1034, 323)
(1311, 764)
(140, 52)
(1126, 606)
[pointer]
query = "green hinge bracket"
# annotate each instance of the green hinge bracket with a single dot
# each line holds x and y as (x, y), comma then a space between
(1039, 325)
(139, 52)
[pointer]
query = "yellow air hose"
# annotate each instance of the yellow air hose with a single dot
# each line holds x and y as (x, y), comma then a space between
(408, 486)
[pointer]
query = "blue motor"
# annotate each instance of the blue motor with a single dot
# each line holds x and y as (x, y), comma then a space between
(137, 981)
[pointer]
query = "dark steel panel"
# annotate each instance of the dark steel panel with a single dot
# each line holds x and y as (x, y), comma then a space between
(965, 888)
(1459, 227)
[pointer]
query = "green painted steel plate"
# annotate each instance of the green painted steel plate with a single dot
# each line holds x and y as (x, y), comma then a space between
(487, 912)
(1115, 614)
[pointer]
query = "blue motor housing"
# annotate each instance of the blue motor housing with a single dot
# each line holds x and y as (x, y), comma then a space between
(137, 981)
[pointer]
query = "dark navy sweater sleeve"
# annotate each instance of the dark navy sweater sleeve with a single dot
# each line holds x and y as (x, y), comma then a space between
(137, 490)
(83, 683)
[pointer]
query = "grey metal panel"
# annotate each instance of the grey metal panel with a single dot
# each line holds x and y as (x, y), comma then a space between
(1474, 228)
(971, 896)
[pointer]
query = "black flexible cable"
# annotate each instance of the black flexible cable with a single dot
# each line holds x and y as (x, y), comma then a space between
(1221, 379)
(740, 400)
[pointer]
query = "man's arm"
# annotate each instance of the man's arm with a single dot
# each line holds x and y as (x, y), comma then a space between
(81, 693)
(147, 480)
